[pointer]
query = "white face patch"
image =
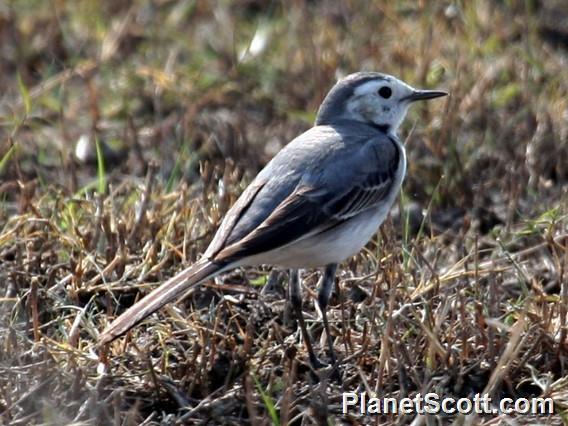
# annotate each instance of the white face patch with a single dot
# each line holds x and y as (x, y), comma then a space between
(367, 105)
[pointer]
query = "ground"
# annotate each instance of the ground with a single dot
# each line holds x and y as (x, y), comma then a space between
(127, 129)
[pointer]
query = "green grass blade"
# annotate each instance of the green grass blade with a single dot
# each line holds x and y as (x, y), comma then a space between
(25, 94)
(101, 175)
(259, 281)
(4, 160)
(268, 403)
(176, 172)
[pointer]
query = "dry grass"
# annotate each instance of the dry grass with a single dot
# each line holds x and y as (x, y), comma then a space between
(464, 291)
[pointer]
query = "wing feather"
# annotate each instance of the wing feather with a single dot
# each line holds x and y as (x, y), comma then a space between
(233, 216)
(361, 196)
(322, 196)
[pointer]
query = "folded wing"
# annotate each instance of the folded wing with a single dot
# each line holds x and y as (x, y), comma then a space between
(352, 179)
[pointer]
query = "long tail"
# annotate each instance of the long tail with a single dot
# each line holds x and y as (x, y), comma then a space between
(172, 289)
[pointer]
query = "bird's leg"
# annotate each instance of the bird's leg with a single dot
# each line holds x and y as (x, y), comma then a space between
(324, 293)
(295, 295)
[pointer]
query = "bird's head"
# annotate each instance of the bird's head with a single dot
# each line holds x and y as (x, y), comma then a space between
(377, 99)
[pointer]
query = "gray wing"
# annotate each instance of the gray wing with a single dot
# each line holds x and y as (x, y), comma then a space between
(322, 178)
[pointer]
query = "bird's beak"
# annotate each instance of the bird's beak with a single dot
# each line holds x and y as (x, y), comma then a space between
(421, 95)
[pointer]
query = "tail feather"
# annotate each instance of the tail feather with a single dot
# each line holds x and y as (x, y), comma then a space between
(172, 289)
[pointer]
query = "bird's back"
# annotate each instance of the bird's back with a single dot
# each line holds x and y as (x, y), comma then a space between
(338, 156)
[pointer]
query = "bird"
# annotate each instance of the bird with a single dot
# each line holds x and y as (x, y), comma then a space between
(317, 202)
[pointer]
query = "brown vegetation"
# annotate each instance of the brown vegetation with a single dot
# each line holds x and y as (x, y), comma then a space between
(465, 290)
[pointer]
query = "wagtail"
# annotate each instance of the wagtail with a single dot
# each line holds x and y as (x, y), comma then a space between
(316, 203)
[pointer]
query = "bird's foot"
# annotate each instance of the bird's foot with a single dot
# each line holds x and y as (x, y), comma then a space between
(322, 371)
(316, 364)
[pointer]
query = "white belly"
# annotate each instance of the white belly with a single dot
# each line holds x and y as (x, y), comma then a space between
(333, 246)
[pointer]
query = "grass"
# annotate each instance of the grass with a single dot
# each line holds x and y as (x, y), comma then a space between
(464, 290)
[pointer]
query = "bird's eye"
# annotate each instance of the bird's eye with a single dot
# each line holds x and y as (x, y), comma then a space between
(385, 92)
